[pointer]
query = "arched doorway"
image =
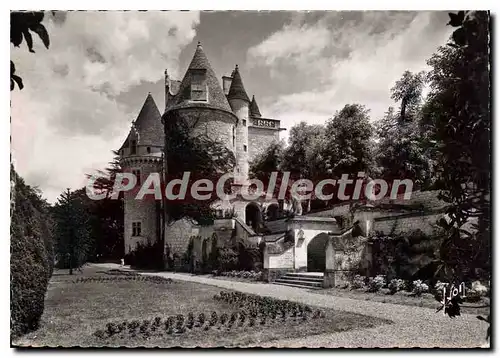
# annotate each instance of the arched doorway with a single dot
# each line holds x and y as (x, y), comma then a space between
(272, 212)
(316, 253)
(253, 216)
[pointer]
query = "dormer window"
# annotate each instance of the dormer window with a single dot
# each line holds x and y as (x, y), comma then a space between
(133, 147)
(199, 85)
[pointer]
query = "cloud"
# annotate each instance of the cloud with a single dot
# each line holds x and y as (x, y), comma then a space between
(66, 117)
(356, 59)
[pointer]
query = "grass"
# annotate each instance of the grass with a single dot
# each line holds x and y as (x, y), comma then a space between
(405, 298)
(74, 311)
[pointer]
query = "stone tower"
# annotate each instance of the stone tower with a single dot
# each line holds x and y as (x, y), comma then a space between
(199, 102)
(142, 154)
(240, 104)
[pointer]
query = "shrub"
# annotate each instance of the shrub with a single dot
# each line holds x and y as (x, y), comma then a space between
(358, 282)
(479, 288)
(439, 286)
(100, 334)
(228, 259)
(213, 319)
(31, 256)
(376, 283)
(146, 256)
(419, 287)
(396, 285)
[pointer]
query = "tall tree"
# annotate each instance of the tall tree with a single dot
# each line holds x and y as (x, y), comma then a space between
(408, 90)
(106, 216)
(72, 230)
(348, 147)
(403, 146)
(457, 113)
(296, 155)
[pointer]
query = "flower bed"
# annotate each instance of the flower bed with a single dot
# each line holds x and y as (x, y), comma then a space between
(246, 275)
(154, 279)
(253, 311)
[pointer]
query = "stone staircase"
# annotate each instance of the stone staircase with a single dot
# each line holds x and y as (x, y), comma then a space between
(309, 280)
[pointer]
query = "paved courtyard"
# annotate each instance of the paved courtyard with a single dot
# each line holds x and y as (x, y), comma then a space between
(413, 326)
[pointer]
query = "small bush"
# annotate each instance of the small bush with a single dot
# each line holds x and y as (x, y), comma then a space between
(376, 283)
(396, 285)
(481, 289)
(228, 259)
(419, 287)
(358, 282)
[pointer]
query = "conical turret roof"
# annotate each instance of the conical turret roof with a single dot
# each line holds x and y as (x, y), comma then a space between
(254, 108)
(237, 90)
(148, 125)
(216, 97)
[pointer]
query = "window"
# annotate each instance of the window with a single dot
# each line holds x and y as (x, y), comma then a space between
(234, 137)
(148, 149)
(136, 228)
(244, 122)
(198, 85)
(133, 147)
(137, 174)
(244, 147)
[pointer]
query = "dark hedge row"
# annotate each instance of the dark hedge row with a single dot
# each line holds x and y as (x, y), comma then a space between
(31, 256)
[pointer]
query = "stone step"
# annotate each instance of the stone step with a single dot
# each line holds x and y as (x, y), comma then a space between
(299, 282)
(295, 285)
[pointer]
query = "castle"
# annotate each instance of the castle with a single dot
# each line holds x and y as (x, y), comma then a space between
(225, 113)
(313, 241)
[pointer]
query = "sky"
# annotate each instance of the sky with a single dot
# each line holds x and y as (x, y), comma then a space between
(82, 94)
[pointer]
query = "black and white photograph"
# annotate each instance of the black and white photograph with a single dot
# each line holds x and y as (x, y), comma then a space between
(250, 178)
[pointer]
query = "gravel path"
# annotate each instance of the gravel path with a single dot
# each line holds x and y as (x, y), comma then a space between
(413, 326)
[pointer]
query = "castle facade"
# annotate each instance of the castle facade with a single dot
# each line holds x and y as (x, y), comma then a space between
(224, 113)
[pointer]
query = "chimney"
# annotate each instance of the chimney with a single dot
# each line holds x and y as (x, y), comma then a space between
(226, 83)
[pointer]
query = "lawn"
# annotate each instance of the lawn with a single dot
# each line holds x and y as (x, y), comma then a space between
(74, 311)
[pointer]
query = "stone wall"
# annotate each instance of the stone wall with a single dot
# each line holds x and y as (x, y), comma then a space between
(216, 124)
(177, 235)
(145, 211)
(407, 223)
(277, 225)
(240, 108)
(259, 139)
(282, 261)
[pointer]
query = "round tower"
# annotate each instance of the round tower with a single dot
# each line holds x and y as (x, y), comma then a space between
(240, 104)
(141, 155)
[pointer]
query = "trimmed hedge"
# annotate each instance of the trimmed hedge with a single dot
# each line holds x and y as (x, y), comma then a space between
(31, 256)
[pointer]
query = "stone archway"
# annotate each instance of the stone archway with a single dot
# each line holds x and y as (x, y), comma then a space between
(316, 253)
(272, 212)
(253, 216)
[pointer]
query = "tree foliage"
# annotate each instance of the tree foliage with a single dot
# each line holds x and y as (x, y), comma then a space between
(457, 115)
(203, 156)
(31, 255)
(348, 142)
(22, 24)
(408, 90)
(296, 156)
(72, 234)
